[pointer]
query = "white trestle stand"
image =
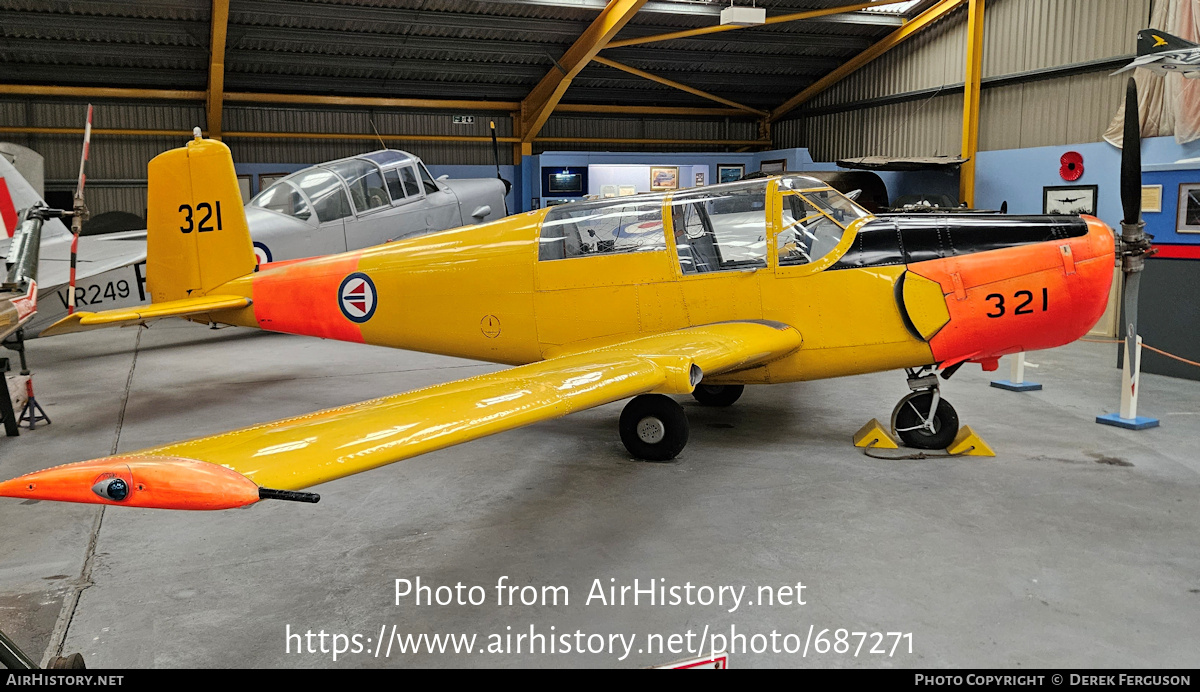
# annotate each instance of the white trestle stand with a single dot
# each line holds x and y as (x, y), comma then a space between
(1016, 381)
(1130, 389)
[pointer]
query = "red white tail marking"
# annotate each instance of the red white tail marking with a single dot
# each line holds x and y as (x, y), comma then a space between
(8, 212)
(26, 305)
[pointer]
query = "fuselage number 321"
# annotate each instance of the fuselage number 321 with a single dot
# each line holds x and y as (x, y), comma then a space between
(1025, 304)
(204, 212)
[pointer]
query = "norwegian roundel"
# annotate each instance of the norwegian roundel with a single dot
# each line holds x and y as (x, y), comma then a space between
(357, 297)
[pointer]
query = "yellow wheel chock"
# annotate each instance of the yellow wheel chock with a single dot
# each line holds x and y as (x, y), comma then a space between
(873, 434)
(969, 443)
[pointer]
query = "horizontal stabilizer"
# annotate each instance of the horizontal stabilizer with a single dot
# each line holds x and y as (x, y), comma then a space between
(1147, 61)
(141, 314)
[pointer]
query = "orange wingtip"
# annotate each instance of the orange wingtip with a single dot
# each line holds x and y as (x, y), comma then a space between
(138, 481)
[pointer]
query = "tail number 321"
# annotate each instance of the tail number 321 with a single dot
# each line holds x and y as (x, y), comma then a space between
(201, 218)
(1024, 303)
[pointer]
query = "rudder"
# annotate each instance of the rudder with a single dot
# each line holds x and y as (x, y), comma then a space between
(197, 238)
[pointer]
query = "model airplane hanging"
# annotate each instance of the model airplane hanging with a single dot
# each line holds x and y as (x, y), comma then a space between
(697, 292)
(333, 207)
(1163, 53)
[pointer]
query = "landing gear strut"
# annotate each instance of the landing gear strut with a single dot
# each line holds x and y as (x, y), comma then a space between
(718, 395)
(923, 419)
(654, 427)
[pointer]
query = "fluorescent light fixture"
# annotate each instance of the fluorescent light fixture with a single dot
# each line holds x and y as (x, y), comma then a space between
(894, 8)
(743, 16)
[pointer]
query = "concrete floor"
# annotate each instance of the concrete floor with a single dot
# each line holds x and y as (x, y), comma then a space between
(1076, 546)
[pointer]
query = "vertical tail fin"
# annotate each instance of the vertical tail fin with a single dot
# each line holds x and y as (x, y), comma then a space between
(197, 238)
(1151, 41)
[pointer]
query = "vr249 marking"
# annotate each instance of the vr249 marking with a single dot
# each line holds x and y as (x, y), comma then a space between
(107, 292)
(204, 225)
(1026, 298)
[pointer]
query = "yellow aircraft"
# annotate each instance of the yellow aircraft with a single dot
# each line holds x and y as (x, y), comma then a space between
(698, 292)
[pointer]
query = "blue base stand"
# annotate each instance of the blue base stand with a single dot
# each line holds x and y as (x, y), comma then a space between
(1139, 423)
(1013, 387)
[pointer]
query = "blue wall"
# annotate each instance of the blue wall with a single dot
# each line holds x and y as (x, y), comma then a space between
(1018, 175)
(1163, 226)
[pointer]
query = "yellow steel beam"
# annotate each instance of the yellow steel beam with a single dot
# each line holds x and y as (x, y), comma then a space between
(540, 103)
(677, 85)
(216, 66)
(618, 140)
(372, 137)
(970, 127)
(778, 19)
(100, 92)
(350, 101)
(366, 136)
(649, 110)
(24, 130)
(370, 101)
(894, 39)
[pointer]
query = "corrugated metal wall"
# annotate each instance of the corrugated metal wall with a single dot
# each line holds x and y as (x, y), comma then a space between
(1021, 36)
(239, 118)
(632, 127)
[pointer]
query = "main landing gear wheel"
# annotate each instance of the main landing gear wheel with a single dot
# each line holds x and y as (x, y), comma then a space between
(718, 395)
(654, 427)
(917, 429)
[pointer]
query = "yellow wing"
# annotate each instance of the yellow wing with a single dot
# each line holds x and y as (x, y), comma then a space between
(141, 314)
(227, 470)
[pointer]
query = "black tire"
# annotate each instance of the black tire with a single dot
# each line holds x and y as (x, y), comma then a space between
(911, 411)
(72, 662)
(718, 395)
(654, 427)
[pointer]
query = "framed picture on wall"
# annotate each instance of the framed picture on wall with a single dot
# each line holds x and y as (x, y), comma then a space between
(1189, 208)
(627, 190)
(776, 166)
(730, 172)
(607, 191)
(1152, 196)
(664, 178)
(1070, 199)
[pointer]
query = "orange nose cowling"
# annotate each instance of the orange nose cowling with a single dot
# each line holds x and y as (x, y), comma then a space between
(1023, 298)
(149, 481)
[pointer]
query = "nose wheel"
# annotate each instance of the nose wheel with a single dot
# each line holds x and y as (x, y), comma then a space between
(923, 419)
(654, 427)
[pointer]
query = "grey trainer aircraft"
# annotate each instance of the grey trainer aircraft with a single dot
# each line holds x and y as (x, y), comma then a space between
(332, 207)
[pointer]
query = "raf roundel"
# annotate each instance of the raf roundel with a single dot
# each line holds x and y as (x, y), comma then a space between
(357, 297)
(262, 253)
